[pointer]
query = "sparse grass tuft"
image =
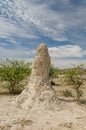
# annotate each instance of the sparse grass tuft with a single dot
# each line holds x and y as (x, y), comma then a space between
(67, 93)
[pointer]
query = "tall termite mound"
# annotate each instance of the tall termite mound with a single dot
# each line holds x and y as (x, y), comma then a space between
(39, 91)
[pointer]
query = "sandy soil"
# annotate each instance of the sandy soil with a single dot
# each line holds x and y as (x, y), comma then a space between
(68, 116)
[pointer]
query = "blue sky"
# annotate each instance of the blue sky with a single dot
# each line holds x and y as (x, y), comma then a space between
(61, 24)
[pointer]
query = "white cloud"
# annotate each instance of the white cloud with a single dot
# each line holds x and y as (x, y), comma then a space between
(25, 18)
(26, 54)
(66, 51)
(8, 30)
(66, 56)
(46, 21)
(57, 25)
(53, 24)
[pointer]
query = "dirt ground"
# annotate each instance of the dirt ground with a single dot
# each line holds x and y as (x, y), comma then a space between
(68, 116)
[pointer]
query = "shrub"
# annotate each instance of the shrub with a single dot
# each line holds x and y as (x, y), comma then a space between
(75, 77)
(53, 72)
(13, 71)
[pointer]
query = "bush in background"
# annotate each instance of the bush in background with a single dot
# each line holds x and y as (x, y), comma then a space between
(75, 76)
(53, 72)
(14, 71)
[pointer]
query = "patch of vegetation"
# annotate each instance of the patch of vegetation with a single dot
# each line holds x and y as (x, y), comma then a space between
(75, 76)
(14, 71)
(53, 72)
(67, 93)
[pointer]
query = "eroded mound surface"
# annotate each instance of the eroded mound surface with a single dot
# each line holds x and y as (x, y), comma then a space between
(39, 92)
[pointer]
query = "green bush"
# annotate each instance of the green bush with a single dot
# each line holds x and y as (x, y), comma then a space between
(14, 71)
(53, 72)
(75, 76)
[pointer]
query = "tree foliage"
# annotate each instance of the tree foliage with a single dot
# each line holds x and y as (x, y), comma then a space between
(53, 72)
(13, 71)
(75, 76)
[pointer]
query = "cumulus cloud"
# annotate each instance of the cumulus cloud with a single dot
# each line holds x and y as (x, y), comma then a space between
(58, 59)
(67, 51)
(66, 56)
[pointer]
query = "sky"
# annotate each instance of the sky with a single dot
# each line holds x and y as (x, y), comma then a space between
(60, 24)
